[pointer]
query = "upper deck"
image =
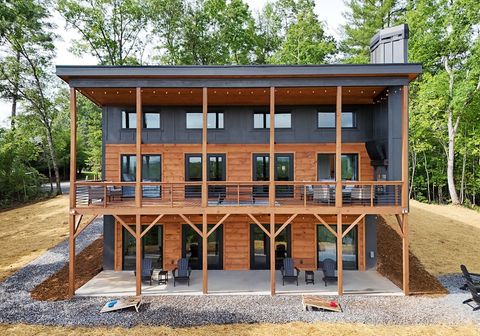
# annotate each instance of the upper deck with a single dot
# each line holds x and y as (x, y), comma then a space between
(377, 93)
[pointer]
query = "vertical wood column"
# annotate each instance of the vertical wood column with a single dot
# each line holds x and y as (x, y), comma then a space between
(204, 147)
(138, 255)
(138, 149)
(405, 257)
(339, 255)
(271, 189)
(72, 196)
(338, 149)
(272, 253)
(405, 238)
(204, 253)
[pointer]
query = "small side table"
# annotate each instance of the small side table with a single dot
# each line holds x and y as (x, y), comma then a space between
(309, 277)
(163, 277)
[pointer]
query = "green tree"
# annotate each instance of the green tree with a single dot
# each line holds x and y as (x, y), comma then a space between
(26, 31)
(114, 31)
(363, 20)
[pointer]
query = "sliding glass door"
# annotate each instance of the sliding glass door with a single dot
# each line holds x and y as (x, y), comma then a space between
(192, 247)
(283, 172)
(327, 246)
(152, 247)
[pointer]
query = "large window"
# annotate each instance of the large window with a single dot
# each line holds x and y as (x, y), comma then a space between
(216, 171)
(152, 247)
(283, 172)
(327, 246)
(151, 172)
(327, 120)
(326, 167)
(262, 120)
(150, 119)
(214, 120)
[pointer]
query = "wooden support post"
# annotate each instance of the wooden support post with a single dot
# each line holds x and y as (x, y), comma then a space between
(405, 253)
(339, 254)
(138, 149)
(72, 195)
(272, 253)
(338, 149)
(71, 256)
(205, 253)
(204, 147)
(405, 150)
(138, 254)
(271, 189)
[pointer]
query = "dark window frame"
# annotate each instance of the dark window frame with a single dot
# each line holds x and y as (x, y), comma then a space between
(266, 116)
(126, 120)
(357, 166)
(217, 120)
(354, 120)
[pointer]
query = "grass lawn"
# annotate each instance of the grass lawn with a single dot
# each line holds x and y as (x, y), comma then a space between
(444, 236)
(27, 232)
(296, 328)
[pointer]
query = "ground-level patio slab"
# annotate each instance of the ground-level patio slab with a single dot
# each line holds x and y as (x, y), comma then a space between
(253, 282)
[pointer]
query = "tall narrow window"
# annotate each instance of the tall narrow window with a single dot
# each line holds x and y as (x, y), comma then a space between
(129, 119)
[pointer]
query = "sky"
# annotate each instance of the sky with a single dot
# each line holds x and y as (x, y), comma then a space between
(329, 11)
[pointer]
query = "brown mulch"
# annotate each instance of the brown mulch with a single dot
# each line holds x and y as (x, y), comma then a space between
(389, 263)
(88, 264)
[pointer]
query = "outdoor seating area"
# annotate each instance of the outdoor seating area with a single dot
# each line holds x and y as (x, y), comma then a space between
(252, 282)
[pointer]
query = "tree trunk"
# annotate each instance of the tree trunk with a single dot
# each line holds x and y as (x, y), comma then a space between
(428, 177)
(451, 164)
(462, 183)
(53, 157)
(15, 93)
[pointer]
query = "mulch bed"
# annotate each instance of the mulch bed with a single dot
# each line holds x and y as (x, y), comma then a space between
(389, 263)
(88, 264)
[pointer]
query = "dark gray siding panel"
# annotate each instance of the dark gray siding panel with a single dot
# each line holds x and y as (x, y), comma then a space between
(370, 241)
(108, 242)
(239, 126)
(395, 134)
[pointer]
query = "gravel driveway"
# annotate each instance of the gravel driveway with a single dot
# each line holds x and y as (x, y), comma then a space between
(16, 306)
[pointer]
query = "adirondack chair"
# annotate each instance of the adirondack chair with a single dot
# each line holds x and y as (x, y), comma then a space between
(475, 296)
(147, 270)
(182, 271)
(329, 271)
(469, 278)
(289, 272)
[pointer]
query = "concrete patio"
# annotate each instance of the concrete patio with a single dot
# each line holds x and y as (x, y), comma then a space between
(253, 282)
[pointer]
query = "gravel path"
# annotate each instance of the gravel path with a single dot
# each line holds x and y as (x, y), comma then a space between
(16, 306)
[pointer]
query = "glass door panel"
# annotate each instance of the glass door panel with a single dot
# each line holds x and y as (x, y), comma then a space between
(261, 172)
(284, 172)
(192, 247)
(327, 246)
(193, 173)
(282, 246)
(216, 172)
(259, 248)
(152, 247)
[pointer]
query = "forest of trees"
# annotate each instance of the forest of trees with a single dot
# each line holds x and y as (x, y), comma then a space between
(444, 101)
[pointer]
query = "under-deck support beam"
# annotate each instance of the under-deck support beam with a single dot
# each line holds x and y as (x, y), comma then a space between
(339, 255)
(204, 253)
(272, 253)
(138, 255)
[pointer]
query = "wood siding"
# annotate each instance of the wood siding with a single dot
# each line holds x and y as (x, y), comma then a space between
(236, 239)
(238, 157)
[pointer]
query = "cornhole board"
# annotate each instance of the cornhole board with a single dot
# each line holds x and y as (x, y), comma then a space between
(311, 302)
(120, 304)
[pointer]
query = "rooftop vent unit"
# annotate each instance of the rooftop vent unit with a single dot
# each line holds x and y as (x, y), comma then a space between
(390, 45)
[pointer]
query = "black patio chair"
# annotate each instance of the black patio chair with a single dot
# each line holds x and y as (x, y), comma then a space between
(469, 278)
(328, 269)
(147, 270)
(289, 272)
(182, 271)
(475, 296)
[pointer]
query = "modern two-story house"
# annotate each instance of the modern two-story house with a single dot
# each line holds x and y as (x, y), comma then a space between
(239, 167)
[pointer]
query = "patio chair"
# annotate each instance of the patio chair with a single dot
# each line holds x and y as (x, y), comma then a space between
(289, 272)
(182, 271)
(329, 271)
(475, 296)
(321, 193)
(362, 194)
(469, 278)
(147, 270)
